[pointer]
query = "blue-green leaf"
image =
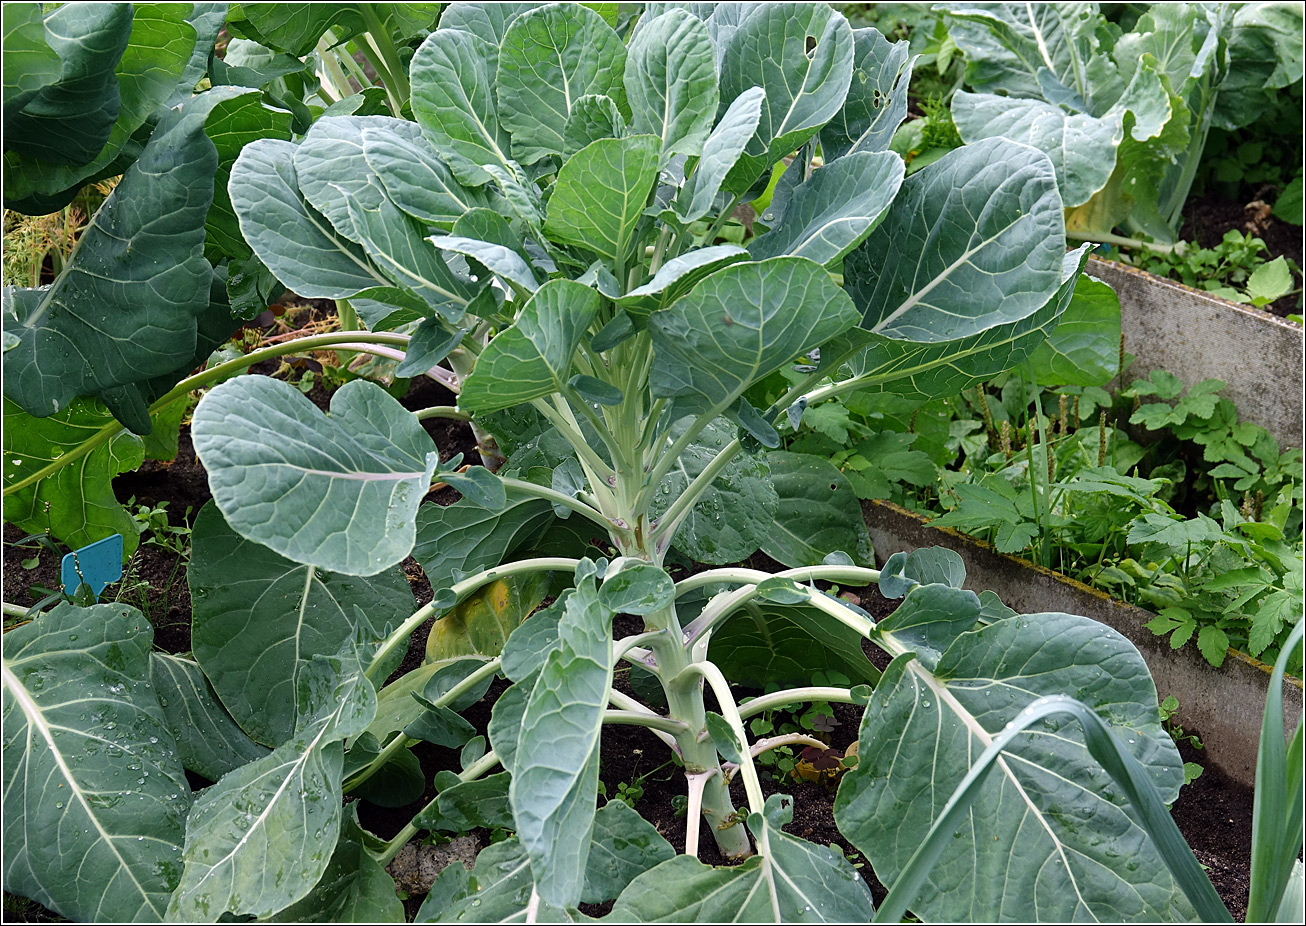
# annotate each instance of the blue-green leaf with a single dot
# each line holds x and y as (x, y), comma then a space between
(453, 76)
(804, 87)
(555, 773)
(259, 619)
(877, 97)
(600, 195)
(721, 152)
(209, 741)
(80, 721)
(533, 357)
(671, 82)
(550, 57)
(337, 490)
(1049, 828)
(835, 209)
(742, 323)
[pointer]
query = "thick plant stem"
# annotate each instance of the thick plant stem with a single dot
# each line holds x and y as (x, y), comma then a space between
(684, 692)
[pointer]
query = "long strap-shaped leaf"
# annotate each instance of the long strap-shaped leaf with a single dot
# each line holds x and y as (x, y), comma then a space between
(1277, 818)
(1047, 832)
(555, 770)
(1123, 768)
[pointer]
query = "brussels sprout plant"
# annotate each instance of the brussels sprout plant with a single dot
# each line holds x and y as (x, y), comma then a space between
(546, 238)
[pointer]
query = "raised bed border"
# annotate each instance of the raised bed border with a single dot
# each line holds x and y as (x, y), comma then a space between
(1223, 706)
(1196, 336)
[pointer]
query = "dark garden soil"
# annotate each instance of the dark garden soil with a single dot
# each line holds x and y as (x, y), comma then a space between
(1207, 218)
(1213, 813)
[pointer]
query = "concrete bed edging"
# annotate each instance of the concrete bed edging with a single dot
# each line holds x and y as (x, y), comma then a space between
(1197, 336)
(1223, 706)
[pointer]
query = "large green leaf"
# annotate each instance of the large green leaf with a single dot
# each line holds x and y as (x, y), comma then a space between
(260, 839)
(157, 52)
(804, 87)
(550, 57)
(722, 20)
(677, 277)
(742, 323)
(339, 490)
(877, 97)
(1265, 54)
(331, 170)
(773, 645)
(533, 357)
(334, 177)
(464, 537)
(453, 101)
(124, 309)
(487, 21)
(416, 180)
(259, 619)
(296, 242)
(209, 740)
(1024, 49)
(1083, 349)
(355, 888)
(295, 28)
(835, 209)
(721, 152)
(556, 771)
(60, 93)
(1082, 148)
(973, 241)
(930, 618)
(790, 880)
(1049, 835)
(600, 195)
(929, 369)
(734, 515)
(31, 64)
(624, 846)
(237, 118)
(208, 20)
(82, 507)
(671, 82)
(81, 725)
(817, 515)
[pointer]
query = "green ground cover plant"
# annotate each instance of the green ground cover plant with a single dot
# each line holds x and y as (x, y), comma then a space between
(1200, 520)
(1234, 269)
(544, 236)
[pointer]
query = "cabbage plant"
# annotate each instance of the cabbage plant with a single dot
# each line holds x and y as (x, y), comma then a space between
(544, 238)
(1124, 116)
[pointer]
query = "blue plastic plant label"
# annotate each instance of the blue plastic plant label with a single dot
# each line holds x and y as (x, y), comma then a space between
(96, 565)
